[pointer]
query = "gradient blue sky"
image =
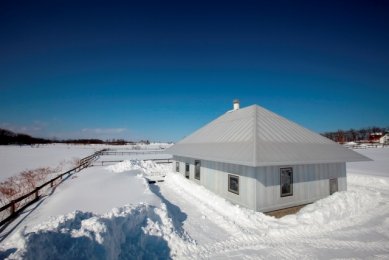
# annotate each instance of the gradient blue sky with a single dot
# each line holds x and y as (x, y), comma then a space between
(161, 69)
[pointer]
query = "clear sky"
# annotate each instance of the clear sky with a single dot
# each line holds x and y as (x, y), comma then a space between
(160, 69)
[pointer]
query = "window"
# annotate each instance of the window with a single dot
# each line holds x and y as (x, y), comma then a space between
(177, 166)
(197, 169)
(333, 186)
(286, 181)
(233, 184)
(187, 170)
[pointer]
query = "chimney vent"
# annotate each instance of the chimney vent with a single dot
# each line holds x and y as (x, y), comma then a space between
(236, 104)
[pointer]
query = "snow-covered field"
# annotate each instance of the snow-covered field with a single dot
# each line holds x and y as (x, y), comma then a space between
(15, 159)
(111, 212)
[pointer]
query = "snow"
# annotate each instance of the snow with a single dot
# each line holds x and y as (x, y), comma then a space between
(15, 159)
(147, 168)
(112, 212)
(141, 231)
(378, 167)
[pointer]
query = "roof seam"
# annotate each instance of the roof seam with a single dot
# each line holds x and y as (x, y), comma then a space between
(255, 136)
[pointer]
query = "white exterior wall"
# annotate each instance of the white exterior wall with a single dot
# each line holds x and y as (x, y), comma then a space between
(310, 183)
(214, 176)
(259, 188)
(384, 139)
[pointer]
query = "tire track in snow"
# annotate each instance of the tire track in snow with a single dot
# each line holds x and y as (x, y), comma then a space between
(288, 246)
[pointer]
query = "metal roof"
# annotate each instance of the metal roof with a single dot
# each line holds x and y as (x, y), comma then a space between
(255, 136)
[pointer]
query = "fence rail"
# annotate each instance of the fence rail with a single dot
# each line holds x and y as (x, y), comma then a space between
(110, 152)
(19, 204)
(102, 163)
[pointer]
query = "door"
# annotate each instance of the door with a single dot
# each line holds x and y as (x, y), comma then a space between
(333, 186)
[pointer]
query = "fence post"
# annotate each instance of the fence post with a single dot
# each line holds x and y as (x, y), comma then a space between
(13, 208)
(36, 194)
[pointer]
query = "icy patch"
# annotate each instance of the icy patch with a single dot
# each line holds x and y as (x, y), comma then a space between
(130, 232)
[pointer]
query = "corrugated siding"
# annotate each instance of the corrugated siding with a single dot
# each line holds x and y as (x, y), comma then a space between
(310, 183)
(260, 186)
(214, 176)
(254, 136)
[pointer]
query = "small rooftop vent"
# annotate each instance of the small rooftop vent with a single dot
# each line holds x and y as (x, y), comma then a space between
(236, 104)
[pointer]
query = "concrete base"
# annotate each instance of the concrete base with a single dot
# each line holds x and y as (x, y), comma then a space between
(283, 212)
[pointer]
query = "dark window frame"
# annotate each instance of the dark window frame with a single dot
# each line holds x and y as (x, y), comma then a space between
(291, 182)
(177, 166)
(197, 173)
(229, 184)
(187, 170)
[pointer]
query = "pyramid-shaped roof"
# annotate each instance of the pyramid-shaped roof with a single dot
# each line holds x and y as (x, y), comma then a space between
(255, 136)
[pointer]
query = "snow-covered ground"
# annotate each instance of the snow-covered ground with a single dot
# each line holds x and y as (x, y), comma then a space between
(15, 159)
(180, 219)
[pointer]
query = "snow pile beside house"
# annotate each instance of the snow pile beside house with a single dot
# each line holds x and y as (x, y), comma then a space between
(339, 209)
(339, 206)
(148, 168)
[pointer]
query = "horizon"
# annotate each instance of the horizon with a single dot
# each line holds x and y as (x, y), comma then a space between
(54, 139)
(160, 71)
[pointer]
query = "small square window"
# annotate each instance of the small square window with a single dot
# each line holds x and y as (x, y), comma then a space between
(286, 181)
(197, 169)
(177, 166)
(233, 184)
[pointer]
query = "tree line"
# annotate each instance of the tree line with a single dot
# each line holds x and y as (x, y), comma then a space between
(8, 137)
(355, 135)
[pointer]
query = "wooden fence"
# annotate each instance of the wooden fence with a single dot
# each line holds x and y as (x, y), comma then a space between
(12, 209)
(159, 161)
(111, 152)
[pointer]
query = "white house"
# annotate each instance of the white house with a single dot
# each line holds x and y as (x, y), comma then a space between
(384, 139)
(262, 161)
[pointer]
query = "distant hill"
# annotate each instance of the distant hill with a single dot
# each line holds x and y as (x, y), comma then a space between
(9, 137)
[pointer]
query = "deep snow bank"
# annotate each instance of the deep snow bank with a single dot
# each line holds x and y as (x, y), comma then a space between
(130, 232)
(339, 210)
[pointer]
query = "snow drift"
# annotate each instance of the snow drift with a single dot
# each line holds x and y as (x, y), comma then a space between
(148, 168)
(130, 232)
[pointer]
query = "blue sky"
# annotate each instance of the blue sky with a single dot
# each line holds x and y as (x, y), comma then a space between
(161, 69)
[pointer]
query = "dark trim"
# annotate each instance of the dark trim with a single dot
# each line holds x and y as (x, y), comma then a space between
(187, 170)
(291, 183)
(177, 166)
(229, 184)
(195, 170)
